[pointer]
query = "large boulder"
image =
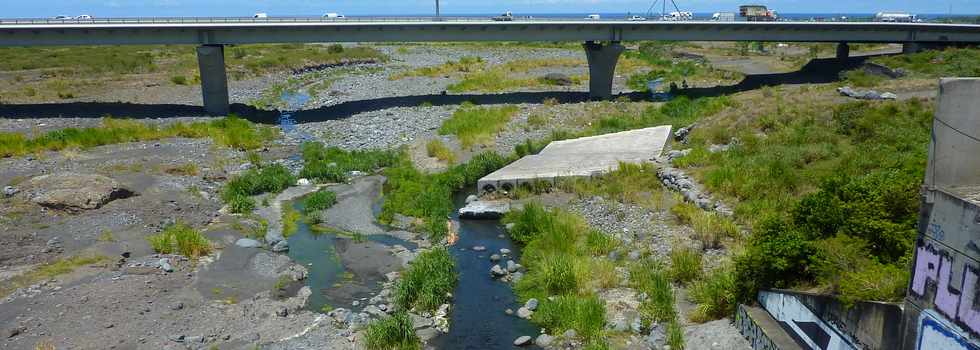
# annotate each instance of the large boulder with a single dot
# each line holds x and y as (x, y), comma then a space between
(76, 192)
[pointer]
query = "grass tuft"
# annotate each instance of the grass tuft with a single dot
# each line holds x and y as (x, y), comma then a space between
(685, 265)
(477, 125)
(392, 333)
(427, 282)
(181, 239)
(331, 164)
(268, 179)
(437, 149)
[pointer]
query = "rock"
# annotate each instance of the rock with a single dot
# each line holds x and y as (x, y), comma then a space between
(544, 340)
(427, 334)
(248, 243)
(10, 191)
(531, 304)
(570, 334)
(636, 326)
(472, 198)
(674, 154)
(613, 255)
(479, 248)
(657, 337)
(374, 310)
(497, 271)
(889, 96)
(177, 306)
(509, 312)
(522, 340)
(509, 227)
(13, 332)
(516, 276)
(865, 95)
(512, 266)
(495, 257)
(282, 312)
(524, 313)
(557, 79)
(164, 264)
(681, 134)
(74, 192)
(485, 210)
(619, 325)
(419, 322)
(303, 182)
(634, 255)
(194, 339)
(504, 251)
(281, 246)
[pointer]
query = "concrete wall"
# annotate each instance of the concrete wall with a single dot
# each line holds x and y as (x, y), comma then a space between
(866, 325)
(942, 310)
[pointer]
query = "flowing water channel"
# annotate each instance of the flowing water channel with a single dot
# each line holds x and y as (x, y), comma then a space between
(478, 320)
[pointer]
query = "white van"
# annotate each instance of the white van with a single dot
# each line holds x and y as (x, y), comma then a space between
(83, 17)
(593, 17)
(334, 15)
(261, 15)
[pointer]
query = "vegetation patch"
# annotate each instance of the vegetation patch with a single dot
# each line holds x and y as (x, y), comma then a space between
(657, 57)
(290, 220)
(318, 201)
(477, 125)
(513, 75)
(180, 239)
(230, 132)
(411, 192)
(48, 271)
(427, 281)
(265, 179)
(331, 164)
(465, 64)
(437, 149)
(951, 62)
(714, 294)
(392, 333)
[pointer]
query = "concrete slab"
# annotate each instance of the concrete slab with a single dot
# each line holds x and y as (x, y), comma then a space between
(583, 157)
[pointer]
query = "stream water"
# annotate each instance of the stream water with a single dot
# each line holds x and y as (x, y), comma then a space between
(478, 320)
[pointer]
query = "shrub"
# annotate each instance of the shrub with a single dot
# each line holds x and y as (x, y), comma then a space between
(675, 335)
(861, 78)
(269, 179)
(335, 48)
(319, 200)
(392, 333)
(685, 265)
(600, 244)
(178, 80)
(427, 281)
(715, 295)
(558, 274)
(874, 281)
(651, 279)
(332, 164)
(586, 315)
(528, 222)
(180, 239)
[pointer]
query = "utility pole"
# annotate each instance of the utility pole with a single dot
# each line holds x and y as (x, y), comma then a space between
(437, 9)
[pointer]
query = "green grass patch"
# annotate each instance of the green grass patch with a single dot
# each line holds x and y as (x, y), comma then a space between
(861, 78)
(651, 278)
(331, 164)
(437, 149)
(48, 271)
(319, 200)
(411, 192)
(477, 125)
(267, 179)
(427, 281)
(951, 62)
(714, 294)
(230, 132)
(709, 227)
(465, 64)
(587, 316)
(181, 239)
(685, 265)
(392, 333)
(290, 220)
(629, 183)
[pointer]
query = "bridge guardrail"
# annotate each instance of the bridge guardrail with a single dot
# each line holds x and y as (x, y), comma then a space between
(211, 20)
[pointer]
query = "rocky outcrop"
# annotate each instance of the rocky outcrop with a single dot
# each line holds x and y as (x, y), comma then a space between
(74, 192)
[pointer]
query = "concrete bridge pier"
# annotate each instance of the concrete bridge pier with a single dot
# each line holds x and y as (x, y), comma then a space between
(911, 47)
(843, 51)
(602, 67)
(214, 79)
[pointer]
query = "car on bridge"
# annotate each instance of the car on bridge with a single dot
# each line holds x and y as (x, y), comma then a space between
(62, 17)
(594, 17)
(261, 15)
(635, 18)
(332, 15)
(505, 17)
(84, 17)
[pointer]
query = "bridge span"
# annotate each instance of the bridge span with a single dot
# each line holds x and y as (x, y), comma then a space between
(601, 38)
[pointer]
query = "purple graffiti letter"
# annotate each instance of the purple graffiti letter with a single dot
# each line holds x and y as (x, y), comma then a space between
(946, 299)
(967, 314)
(926, 268)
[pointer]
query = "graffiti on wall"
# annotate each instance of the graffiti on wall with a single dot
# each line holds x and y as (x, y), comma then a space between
(934, 334)
(954, 298)
(755, 334)
(795, 316)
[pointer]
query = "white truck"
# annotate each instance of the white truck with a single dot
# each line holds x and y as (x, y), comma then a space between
(723, 17)
(504, 17)
(678, 16)
(895, 17)
(333, 15)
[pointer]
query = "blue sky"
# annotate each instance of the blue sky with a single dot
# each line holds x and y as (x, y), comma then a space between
(119, 8)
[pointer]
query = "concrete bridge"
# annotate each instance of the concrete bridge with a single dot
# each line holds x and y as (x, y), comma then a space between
(601, 38)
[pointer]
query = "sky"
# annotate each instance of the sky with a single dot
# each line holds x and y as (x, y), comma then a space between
(160, 8)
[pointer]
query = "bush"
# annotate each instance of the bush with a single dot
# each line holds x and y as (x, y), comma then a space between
(685, 265)
(392, 333)
(319, 200)
(600, 244)
(586, 315)
(332, 164)
(715, 296)
(651, 279)
(180, 239)
(269, 179)
(178, 80)
(558, 274)
(335, 48)
(427, 281)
